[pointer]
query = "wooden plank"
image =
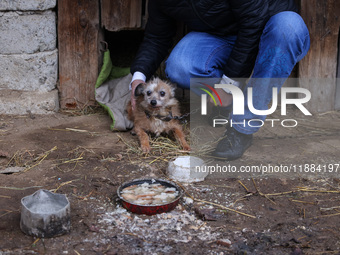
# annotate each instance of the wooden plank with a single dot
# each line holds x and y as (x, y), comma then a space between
(121, 14)
(337, 93)
(78, 36)
(317, 71)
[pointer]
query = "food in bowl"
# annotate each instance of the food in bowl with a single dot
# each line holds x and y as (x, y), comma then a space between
(149, 194)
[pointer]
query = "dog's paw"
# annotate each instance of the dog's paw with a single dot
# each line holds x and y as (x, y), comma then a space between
(186, 147)
(146, 148)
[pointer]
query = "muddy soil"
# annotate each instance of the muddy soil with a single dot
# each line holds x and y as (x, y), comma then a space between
(269, 213)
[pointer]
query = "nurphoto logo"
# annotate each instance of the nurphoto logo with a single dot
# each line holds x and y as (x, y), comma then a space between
(239, 99)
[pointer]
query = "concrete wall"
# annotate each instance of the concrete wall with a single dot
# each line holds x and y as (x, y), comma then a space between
(28, 57)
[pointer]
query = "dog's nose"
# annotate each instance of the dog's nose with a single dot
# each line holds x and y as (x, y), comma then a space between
(153, 102)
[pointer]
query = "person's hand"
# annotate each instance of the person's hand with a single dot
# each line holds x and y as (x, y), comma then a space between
(134, 85)
(225, 95)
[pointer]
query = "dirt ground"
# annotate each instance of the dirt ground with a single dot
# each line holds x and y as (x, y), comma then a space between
(269, 213)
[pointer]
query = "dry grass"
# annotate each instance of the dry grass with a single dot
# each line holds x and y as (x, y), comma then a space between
(28, 159)
(162, 149)
(85, 109)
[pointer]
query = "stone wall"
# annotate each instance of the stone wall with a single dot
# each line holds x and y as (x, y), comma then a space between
(28, 57)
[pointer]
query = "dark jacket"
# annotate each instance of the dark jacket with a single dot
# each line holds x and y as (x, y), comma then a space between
(244, 18)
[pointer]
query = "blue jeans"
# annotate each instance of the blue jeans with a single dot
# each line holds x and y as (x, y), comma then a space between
(284, 42)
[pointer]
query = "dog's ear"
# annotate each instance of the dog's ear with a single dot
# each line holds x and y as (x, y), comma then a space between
(173, 88)
(139, 89)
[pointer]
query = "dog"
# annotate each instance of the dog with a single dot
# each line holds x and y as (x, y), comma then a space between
(155, 111)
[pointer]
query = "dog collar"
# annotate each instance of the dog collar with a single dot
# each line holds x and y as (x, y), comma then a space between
(160, 117)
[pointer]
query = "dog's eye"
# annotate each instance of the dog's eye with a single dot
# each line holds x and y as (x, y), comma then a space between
(162, 93)
(148, 93)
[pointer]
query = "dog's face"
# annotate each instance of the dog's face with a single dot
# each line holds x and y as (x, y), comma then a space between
(157, 94)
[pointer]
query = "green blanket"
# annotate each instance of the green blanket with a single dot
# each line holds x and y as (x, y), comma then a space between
(112, 93)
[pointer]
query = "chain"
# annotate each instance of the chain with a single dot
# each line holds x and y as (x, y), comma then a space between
(185, 115)
(170, 117)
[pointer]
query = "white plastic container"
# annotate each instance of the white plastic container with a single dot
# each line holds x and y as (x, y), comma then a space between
(187, 169)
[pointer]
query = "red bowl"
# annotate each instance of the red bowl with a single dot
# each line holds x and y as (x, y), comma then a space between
(149, 209)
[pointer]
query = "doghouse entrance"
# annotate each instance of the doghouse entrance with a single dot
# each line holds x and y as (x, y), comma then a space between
(122, 23)
(123, 46)
(82, 26)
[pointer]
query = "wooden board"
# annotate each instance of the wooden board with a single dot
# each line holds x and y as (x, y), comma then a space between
(121, 14)
(78, 44)
(318, 69)
(337, 93)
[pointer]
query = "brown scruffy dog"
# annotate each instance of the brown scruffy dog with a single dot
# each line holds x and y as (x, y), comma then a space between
(154, 112)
